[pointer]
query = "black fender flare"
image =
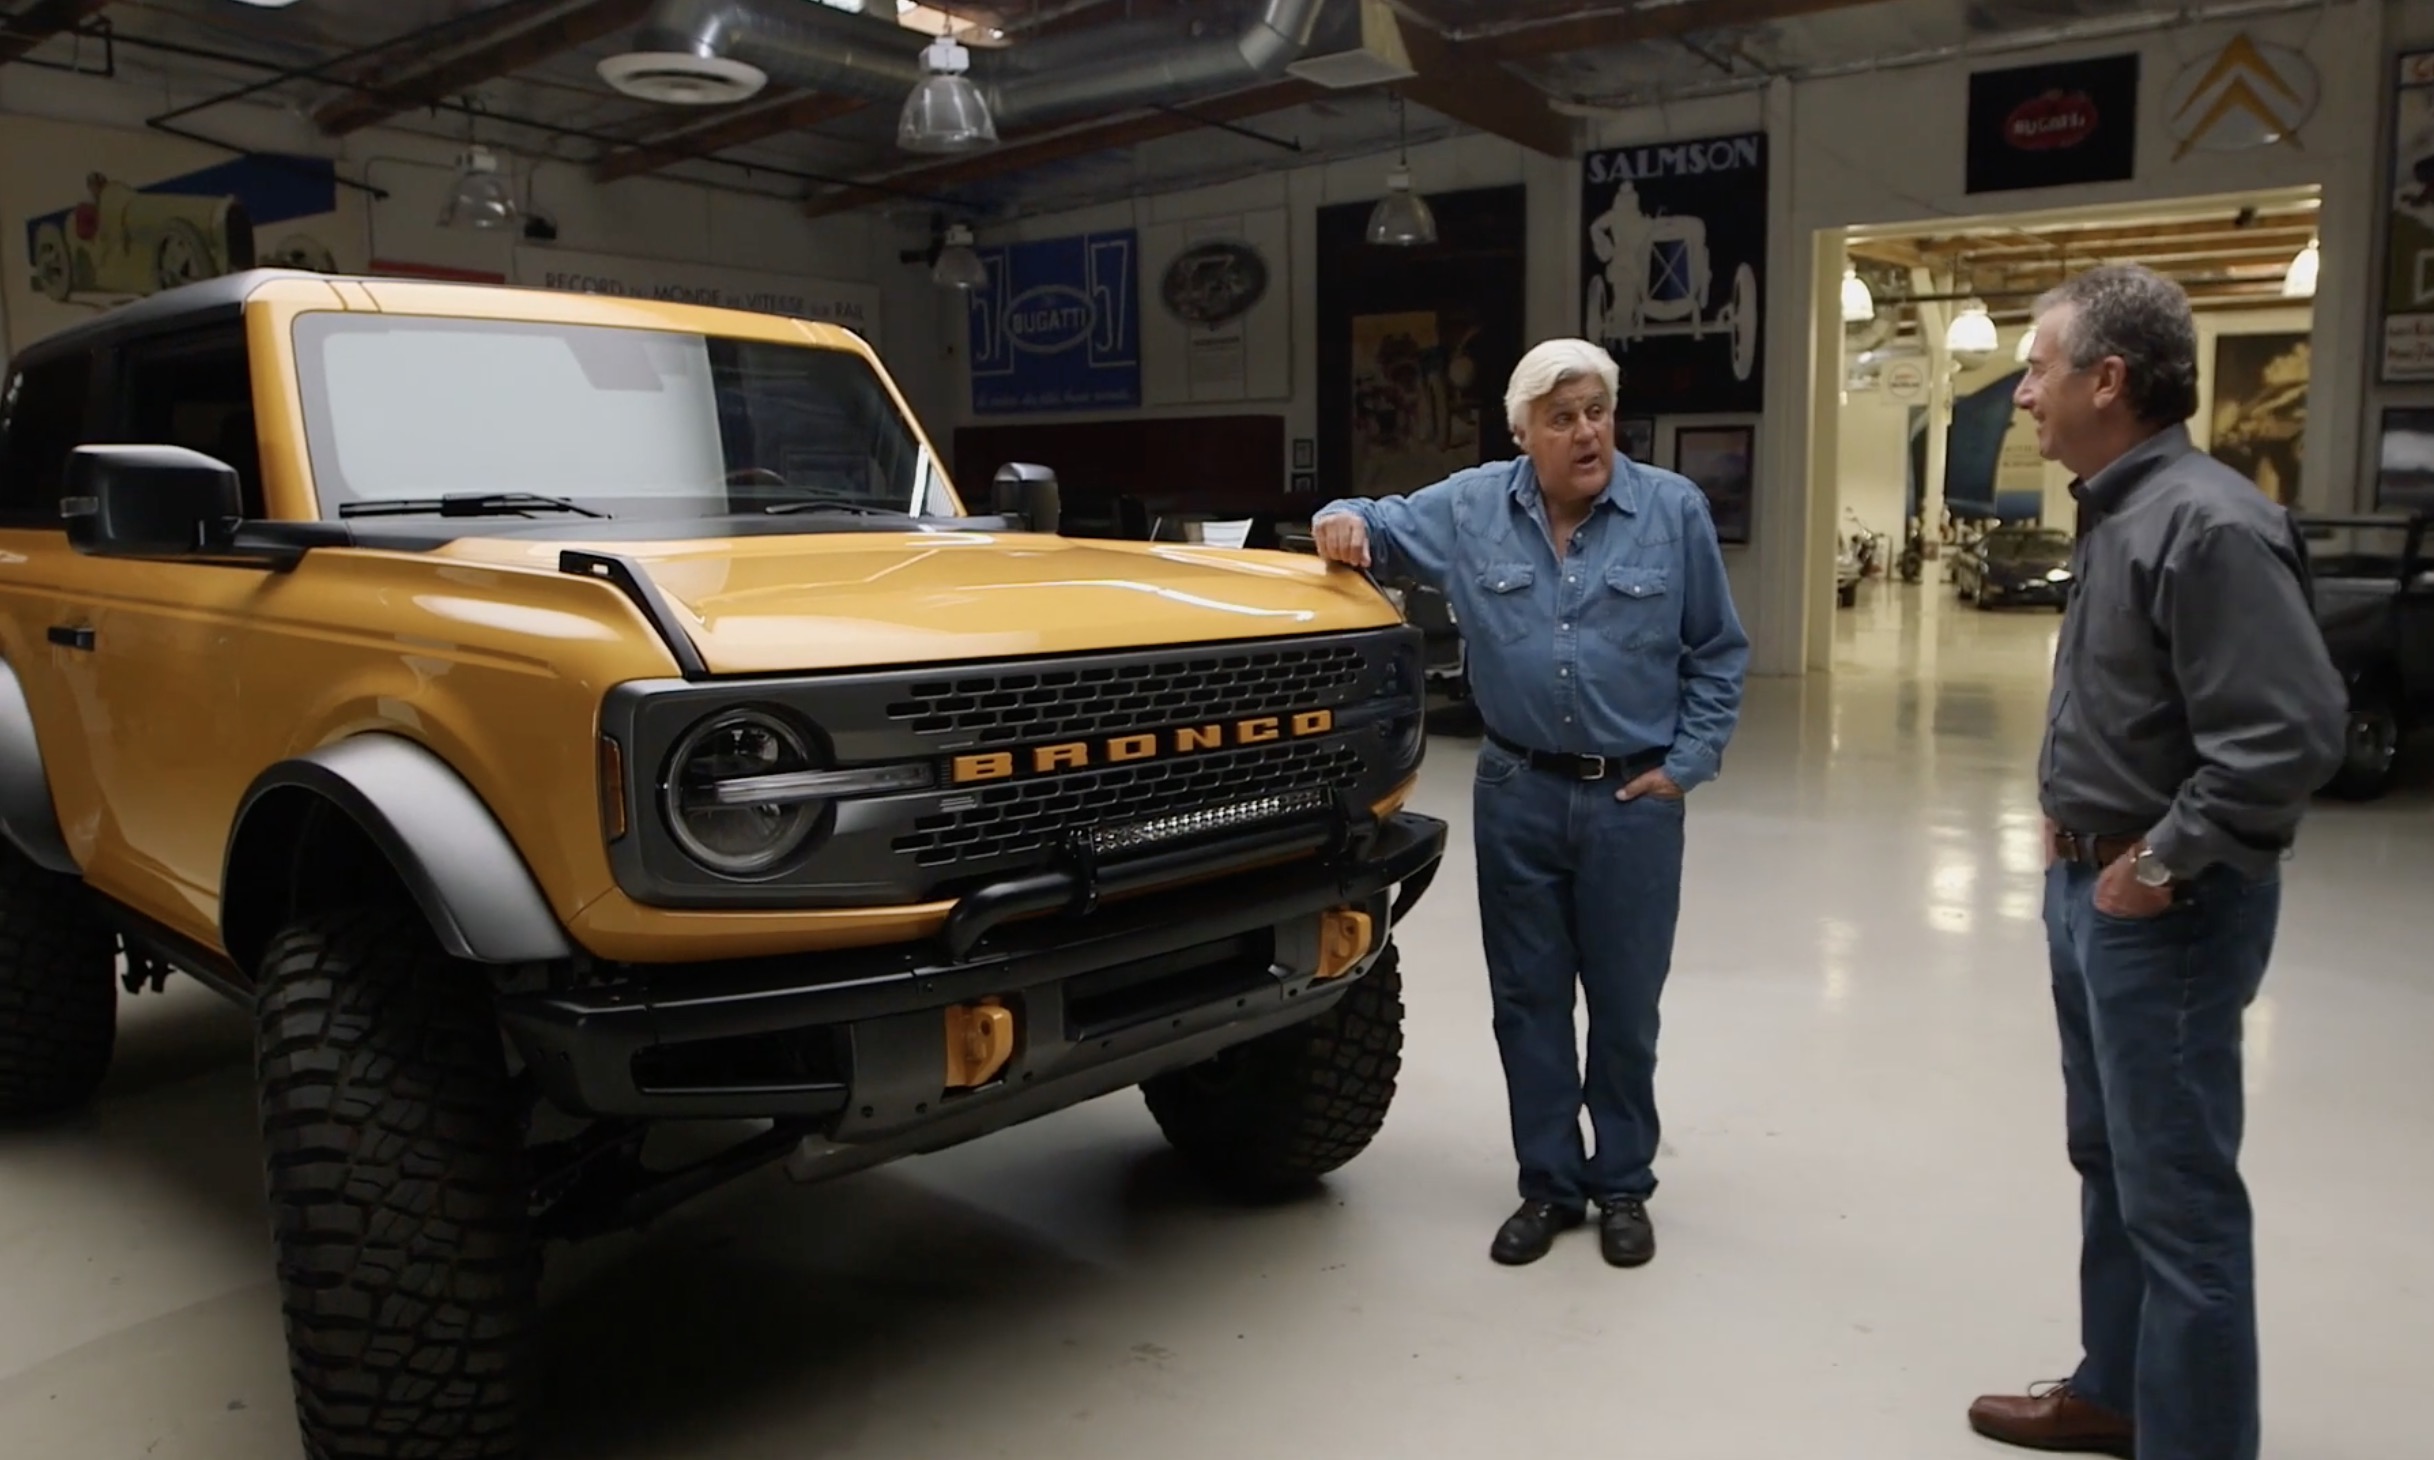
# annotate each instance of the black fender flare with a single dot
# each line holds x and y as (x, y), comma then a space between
(433, 829)
(27, 816)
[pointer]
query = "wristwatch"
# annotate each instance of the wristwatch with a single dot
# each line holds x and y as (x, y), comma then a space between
(2149, 869)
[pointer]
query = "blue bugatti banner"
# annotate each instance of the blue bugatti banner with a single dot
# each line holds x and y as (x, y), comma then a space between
(1057, 327)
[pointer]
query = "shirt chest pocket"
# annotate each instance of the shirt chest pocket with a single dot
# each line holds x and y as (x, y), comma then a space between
(1504, 608)
(1634, 606)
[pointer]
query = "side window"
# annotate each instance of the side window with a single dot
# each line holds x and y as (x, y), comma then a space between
(195, 391)
(42, 419)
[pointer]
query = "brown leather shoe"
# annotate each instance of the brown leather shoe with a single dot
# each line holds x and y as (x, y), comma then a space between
(2051, 1417)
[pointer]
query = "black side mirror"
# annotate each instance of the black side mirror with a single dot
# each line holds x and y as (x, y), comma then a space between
(1028, 493)
(150, 502)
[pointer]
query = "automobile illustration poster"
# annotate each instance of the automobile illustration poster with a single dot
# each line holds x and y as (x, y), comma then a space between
(2259, 420)
(1415, 419)
(92, 218)
(1673, 260)
(2408, 246)
(1218, 322)
(1057, 327)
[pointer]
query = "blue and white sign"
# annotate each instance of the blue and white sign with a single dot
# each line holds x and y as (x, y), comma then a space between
(1057, 327)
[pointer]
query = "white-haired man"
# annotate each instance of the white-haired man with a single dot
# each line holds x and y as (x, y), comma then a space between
(1606, 659)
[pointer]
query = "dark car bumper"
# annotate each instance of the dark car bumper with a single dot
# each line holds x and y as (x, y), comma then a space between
(2038, 590)
(854, 1045)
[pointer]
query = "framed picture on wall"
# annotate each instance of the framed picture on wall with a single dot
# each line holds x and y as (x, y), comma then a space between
(2260, 408)
(2404, 474)
(1305, 453)
(1721, 460)
(1635, 437)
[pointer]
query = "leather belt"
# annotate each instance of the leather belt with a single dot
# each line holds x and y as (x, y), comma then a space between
(1582, 767)
(2092, 849)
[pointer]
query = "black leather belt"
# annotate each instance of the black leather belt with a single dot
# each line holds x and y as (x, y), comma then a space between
(1582, 767)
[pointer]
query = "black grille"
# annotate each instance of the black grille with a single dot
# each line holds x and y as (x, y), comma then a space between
(1062, 704)
(1025, 820)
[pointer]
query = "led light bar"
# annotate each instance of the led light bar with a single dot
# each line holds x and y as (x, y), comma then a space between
(792, 786)
(1137, 835)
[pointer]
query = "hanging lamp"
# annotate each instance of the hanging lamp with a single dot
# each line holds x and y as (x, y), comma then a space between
(1858, 304)
(1972, 332)
(945, 112)
(957, 266)
(480, 197)
(2299, 282)
(1402, 218)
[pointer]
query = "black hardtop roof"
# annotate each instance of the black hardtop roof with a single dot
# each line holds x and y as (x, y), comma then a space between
(204, 301)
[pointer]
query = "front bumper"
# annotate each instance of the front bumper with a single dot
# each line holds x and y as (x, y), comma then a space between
(1106, 990)
(2025, 590)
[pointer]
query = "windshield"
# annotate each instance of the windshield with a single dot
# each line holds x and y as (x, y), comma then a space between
(2046, 545)
(401, 412)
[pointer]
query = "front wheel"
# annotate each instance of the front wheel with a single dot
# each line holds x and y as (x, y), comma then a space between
(1274, 1115)
(398, 1190)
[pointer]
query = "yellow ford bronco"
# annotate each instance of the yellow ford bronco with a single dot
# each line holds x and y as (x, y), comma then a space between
(557, 716)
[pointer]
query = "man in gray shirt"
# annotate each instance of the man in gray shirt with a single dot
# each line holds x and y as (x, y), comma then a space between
(2194, 711)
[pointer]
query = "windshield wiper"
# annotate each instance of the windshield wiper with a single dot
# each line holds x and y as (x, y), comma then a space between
(467, 504)
(833, 504)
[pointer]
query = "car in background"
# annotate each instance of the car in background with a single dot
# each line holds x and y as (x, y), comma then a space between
(2015, 565)
(2375, 607)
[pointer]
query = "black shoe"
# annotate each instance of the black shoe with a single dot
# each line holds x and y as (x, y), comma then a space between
(1624, 1232)
(1527, 1234)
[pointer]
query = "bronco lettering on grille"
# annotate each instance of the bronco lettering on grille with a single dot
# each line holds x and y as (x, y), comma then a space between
(1082, 755)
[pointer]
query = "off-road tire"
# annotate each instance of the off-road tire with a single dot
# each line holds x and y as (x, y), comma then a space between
(1272, 1116)
(58, 991)
(399, 1193)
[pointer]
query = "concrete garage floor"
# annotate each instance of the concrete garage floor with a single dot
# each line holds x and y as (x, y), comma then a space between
(1866, 1216)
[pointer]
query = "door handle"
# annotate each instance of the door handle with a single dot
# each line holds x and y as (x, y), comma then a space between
(73, 636)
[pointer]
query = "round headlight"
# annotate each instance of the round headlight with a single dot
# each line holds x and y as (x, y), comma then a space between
(739, 841)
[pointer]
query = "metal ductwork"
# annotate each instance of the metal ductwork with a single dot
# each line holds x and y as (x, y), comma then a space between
(703, 51)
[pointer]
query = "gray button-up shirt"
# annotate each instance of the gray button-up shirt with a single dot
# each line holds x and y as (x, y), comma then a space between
(2193, 700)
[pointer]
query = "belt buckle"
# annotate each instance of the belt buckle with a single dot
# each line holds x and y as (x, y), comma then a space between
(1598, 761)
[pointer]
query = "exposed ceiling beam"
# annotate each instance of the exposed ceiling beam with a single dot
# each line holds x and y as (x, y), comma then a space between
(1081, 141)
(1456, 83)
(795, 113)
(1600, 28)
(521, 35)
(22, 31)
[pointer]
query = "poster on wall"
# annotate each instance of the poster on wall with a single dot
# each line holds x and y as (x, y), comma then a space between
(1723, 461)
(1415, 344)
(2057, 124)
(1673, 257)
(1219, 323)
(828, 301)
(2260, 408)
(92, 218)
(2408, 245)
(1058, 325)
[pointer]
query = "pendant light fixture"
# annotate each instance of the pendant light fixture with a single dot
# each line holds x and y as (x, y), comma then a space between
(2299, 282)
(958, 267)
(1402, 218)
(1971, 333)
(2028, 342)
(1858, 304)
(480, 197)
(945, 112)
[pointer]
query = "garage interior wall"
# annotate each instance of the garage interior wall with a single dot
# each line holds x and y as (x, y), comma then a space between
(1880, 147)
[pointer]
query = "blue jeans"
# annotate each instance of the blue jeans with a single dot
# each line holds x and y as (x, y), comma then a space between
(1578, 892)
(2150, 1012)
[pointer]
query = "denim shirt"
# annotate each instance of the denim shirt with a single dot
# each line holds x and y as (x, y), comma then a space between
(1628, 644)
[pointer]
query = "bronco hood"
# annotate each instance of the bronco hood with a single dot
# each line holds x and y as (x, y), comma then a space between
(763, 605)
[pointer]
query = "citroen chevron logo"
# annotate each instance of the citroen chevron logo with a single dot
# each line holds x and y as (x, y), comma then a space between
(2244, 95)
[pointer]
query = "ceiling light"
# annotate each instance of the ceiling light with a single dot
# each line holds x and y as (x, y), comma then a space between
(2028, 342)
(2300, 282)
(480, 197)
(958, 267)
(1858, 305)
(680, 78)
(1401, 219)
(945, 112)
(1972, 332)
